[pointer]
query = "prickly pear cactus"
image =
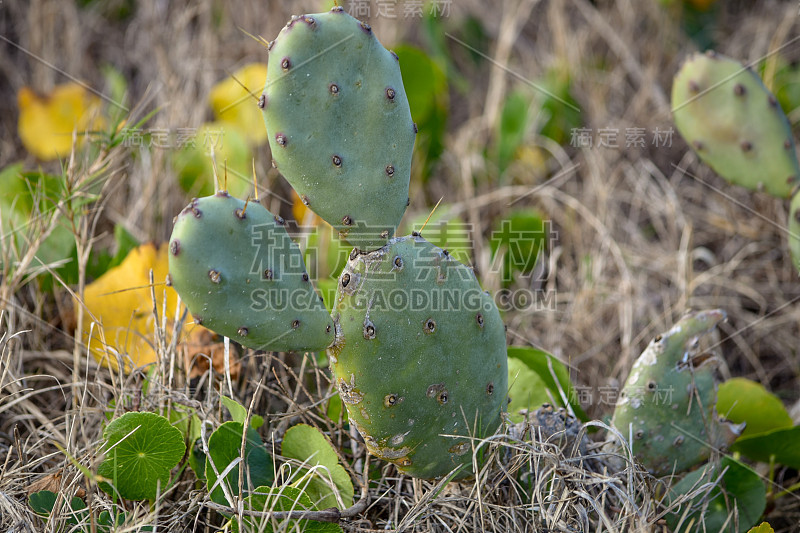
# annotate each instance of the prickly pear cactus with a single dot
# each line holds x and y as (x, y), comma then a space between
(735, 124)
(794, 230)
(241, 275)
(666, 408)
(339, 124)
(419, 355)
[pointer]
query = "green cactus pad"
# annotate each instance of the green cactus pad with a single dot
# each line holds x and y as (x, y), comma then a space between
(794, 230)
(339, 124)
(419, 357)
(667, 406)
(241, 275)
(735, 124)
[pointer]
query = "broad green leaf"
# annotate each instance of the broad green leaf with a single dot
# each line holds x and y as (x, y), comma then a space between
(763, 527)
(526, 390)
(239, 412)
(540, 362)
(743, 486)
(779, 445)
(224, 447)
(426, 86)
(284, 498)
(559, 111)
(194, 165)
(43, 502)
(140, 450)
(517, 241)
(513, 126)
(446, 231)
(308, 445)
(742, 400)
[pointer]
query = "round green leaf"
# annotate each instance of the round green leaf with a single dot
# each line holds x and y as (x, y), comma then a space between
(780, 445)
(526, 389)
(742, 400)
(43, 502)
(140, 449)
(541, 362)
(224, 447)
(284, 498)
(742, 485)
(308, 445)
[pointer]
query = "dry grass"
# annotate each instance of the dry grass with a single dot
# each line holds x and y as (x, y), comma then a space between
(642, 234)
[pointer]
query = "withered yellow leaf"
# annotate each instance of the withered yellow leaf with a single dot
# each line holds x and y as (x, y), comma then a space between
(120, 300)
(233, 104)
(46, 122)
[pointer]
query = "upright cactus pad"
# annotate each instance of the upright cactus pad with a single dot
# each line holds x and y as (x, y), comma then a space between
(339, 124)
(419, 356)
(667, 407)
(241, 275)
(794, 230)
(735, 124)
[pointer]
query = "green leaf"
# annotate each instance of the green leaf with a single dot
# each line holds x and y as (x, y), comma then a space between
(125, 243)
(540, 362)
(743, 487)
(517, 240)
(140, 450)
(285, 498)
(763, 527)
(742, 400)
(43, 502)
(308, 445)
(224, 447)
(239, 412)
(446, 231)
(779, 445)
(526, 390)
(513, 126)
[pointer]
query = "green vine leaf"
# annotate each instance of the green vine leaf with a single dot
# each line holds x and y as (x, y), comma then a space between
(742, 400)
(239, 412)
(44, 501)
(779, 446)
(743, 486)
(325, 477)
(285, 498)
(224, 447)
(140, 450)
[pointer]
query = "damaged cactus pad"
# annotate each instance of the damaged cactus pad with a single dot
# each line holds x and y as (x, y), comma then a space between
(667, 406)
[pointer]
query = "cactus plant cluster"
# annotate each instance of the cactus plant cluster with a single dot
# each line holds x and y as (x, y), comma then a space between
(737, 127)
(416, 347)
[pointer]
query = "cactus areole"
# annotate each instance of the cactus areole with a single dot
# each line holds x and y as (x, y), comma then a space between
(419, 357)
(339, 124)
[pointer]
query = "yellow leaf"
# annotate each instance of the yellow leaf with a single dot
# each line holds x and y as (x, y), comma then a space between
(46, 122)
(120, 300)
(763, 527)
(233, 104)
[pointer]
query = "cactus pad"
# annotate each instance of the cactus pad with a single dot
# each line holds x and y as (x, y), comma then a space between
(794, 230)
(241, 275)
(735, 124)
(419, 357)
(339, 124)
(667, 406)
